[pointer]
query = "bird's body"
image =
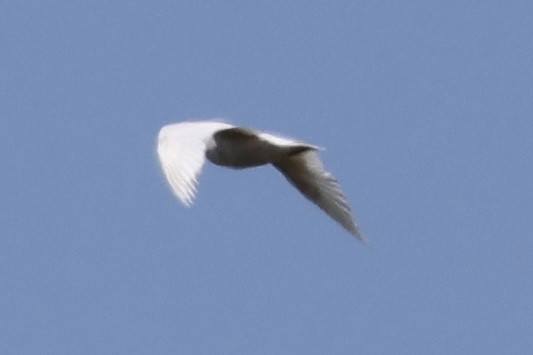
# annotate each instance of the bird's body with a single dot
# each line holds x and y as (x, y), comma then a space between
(183, 147)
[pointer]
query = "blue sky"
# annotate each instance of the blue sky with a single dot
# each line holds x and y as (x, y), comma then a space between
(425, 109)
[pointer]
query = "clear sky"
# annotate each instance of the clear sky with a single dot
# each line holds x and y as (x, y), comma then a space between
(425, 109)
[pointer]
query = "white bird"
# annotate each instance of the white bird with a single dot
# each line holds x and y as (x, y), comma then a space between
(183, 147)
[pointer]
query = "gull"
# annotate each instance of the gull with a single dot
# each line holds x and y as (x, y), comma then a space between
(183, 147)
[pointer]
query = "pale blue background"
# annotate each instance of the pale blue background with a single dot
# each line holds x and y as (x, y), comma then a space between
(426, 112)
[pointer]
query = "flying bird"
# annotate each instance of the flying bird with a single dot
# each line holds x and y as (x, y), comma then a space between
(183, 148)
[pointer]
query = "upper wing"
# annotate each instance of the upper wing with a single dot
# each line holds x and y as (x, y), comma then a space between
(280, 141)
(306, 172)
(181, 151)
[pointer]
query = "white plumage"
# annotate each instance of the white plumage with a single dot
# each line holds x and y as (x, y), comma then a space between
(183, 147)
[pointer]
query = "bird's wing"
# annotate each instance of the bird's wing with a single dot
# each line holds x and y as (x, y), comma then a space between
(243, 135)
(181, 150)
(306, 172)
(280, 141)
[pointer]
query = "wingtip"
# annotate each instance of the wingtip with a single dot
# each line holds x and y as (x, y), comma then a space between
(358, 233)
